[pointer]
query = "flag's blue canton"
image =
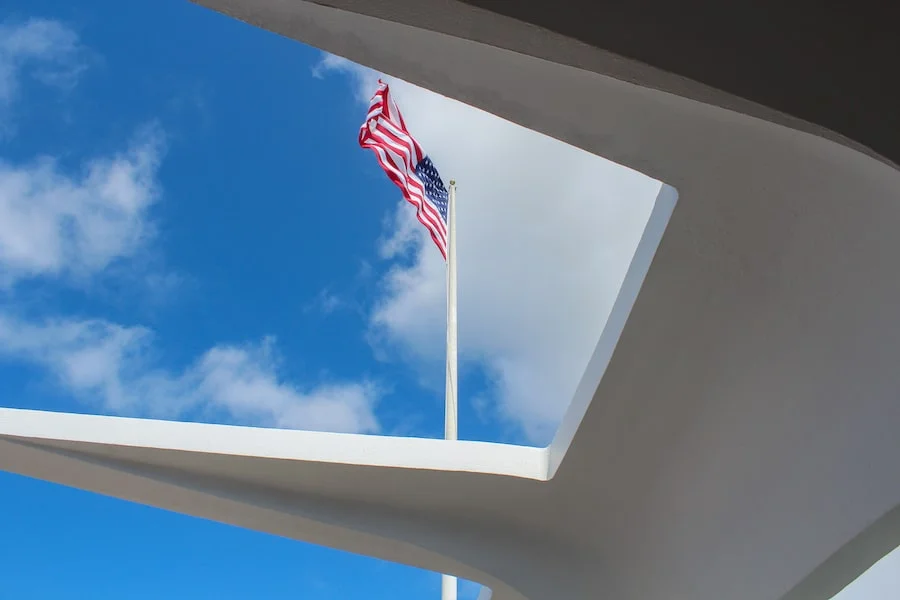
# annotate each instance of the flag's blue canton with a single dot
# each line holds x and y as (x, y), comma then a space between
(434, 187)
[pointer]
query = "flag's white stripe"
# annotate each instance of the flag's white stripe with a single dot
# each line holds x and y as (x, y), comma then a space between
(417, 200)
(404, 151)
(426, 210)
(398, 153)
(405, 137)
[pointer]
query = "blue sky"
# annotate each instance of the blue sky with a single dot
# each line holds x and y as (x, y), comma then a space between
(189, 230)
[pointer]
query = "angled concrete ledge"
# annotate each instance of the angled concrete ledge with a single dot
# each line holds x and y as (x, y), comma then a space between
(50, 429)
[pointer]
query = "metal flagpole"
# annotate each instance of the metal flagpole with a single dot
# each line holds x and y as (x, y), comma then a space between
(448, 582)
(450, 415)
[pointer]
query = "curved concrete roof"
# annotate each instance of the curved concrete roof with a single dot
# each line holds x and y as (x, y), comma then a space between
(734, 435)
(802, 58)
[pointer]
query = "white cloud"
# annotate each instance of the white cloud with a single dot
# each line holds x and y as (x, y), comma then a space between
(56, 224)
(331, 63)
(326, 302)
(882, 580)
(110, 367)
(67, 226)
(469, 590)
(545, 235)
(48, 49)
(52, 222)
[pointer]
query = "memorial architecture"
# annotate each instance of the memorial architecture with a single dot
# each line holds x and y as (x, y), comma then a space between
(737, 431)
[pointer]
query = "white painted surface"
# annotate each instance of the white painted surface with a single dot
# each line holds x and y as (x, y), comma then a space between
(449, 585)
(278, 444)
(740, 442)
(451, 399)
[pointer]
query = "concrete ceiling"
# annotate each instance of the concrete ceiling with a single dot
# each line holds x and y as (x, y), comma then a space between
(827, 63)
(734, 435)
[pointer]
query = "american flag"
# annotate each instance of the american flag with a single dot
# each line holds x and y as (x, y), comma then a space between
(401, 157)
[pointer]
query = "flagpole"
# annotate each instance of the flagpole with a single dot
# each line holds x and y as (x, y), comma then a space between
(450, 406)
(448, 582)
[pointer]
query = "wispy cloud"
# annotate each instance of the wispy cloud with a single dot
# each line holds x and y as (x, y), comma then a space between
(469, 590)
(111, 367)
(326, 302)
(545, 234)
(363, 79)
(57, 224)
(66, 227)
(46, 50)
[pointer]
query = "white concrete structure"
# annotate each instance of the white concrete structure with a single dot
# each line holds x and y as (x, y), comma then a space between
(737, 432)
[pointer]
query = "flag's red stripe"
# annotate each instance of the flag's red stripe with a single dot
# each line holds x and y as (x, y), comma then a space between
(404, 148)
(398, 153)
(416, 199)
(409, 183)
